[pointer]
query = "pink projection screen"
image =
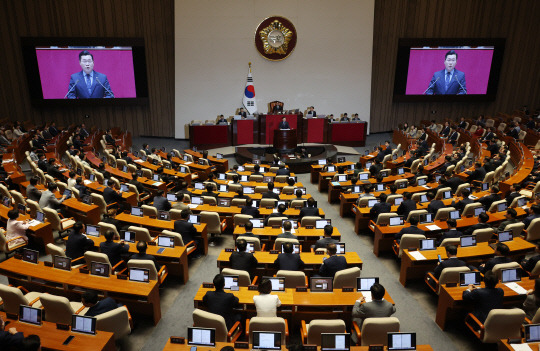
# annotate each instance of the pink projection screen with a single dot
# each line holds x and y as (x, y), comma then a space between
(427, 63)
(114, 65)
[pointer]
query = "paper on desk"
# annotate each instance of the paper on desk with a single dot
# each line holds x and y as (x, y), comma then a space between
(425, 186)
(369, 156)
(188, 163)
(139, 161)
(86, 181)
(33, 222)
(192, 206)
(8, 160)
(521, 347)
(516, 287)
(157, 183)
(367, 296)
(472, 197)
(433, 227)
(417, 255)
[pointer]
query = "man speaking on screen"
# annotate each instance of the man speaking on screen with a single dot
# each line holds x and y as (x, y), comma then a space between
(448, 81)
(88, 84)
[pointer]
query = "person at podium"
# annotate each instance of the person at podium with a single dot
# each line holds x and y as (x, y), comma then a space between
(278, 108)
(311, 112)
(284, 124)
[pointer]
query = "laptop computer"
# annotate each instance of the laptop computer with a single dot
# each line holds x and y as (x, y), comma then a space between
(322, 162)
(400, 171)
(99, 269)
(30, 315)
(136, 211)
(22, 209)
(421, 182)
(321, 223)
(231, 282)
(223, 188)
(380, 187)
(30, 256)
(340, 248)
(61, 262)
(83, 324)
(372, 202)
(202, 336)
(92, 230)
(194, 219)
(249, 190)
(40, 216)
(467, 240)
(278, 283)
(466, 278)
(164, 215)
(447, 195)
(224, 201)
(393, 221)
(127, 235)
(335, 342)
(506, 236)
(87, 199)
(124, 187)
(398, 201)
(502, 207)
(171, 197)
(532, 332)
(331, 168)
(257, 223)
(165, 241)
(478, 210)
(427, 244)
(141, 275)
(321, 284)
(510, 275)
(426, 218)
(198, 186)
(401, 341)
(454, 215)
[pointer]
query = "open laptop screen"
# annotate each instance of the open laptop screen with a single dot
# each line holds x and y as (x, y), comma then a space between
(278, 284)
(395, 221)
(321, 223)
(171, 197)
(532, 332)
(30, 256)
(401, 341)
(165, 241)
(466, 278)
(257, 223)
(427, 244)
(321, 284)
(83, 324)
(128, 236)
(195, 219)
(30, 315)
(335, 342)
(99, 269)
(139, 275)
(40, 216)
(266, 340)
(60, 262)
(364, 284)
(201, 336)
(467, 240)
(137, 211)
(92, 230)
(231, 281)
(510, 275)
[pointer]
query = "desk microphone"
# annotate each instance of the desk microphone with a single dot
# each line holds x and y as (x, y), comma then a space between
(110, 92)
(70, 89)
(431, 85)
(457, 80)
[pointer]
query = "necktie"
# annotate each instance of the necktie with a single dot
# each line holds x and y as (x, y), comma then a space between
(447, 79)
(88, 84)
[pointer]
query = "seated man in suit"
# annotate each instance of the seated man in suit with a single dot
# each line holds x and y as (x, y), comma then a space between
(222, 303)
(242, 113)
(79, 185)
(534, 212)
(222, 120)
(284, 124)
(110, 195)
(249, 230)
(242, 260)
(333, 263)
(189, 232)
(487, 200)
(462, 123)
(32, 192)
(327, 239)
(288, 260)
(345, 118)
(378, 307)
(280, 213)
(11, 339)
(53, 171)
(160, 201)
(483, 218)
(248, 209)
(283, 170)
(446, 130)
(278, 107)
(77, 243)
(240, 195)
(113, 250)
(380, 207)
(311, 111)
(380, 154)
(451, 233)
(406, 206)
(448, 81)
(375, 167)
(478, 174)
(270, 194)
(412, 229)
(530, 263)
(309, 210)
(434, 205)
(451, 261)
(287, 227)
(453, 136)
(210, 191)
(485, 299)
(501, 256)
(142, 246)
(90, 299)
(48, 199)
(460, 205)
(510, 215)
(256, 170)
(513, 193)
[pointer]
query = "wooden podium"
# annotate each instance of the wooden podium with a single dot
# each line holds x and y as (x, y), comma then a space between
(285, 139)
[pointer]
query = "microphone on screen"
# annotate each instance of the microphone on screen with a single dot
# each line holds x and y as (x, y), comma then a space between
(110, 92)
(70, 89)
(431, 85)
(457, 80)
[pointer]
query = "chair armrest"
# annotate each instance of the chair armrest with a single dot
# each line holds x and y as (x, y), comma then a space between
(34, 301)
(223, 224)
(263, 247)
(80, 309)
(395, 247)
(355, 329)
(307, 282)
(303, 332)
(286, 329)
(254, 282)
(23, 289)
(247, 328)
(161, 278)
(527, 320)
(432, 282)
(129, 318)
(471, 318)
(235, 329)
(115, 267)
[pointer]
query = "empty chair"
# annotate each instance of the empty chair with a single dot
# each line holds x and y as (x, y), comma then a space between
(141, 234)
(13, 297)
(204, 319)
(416, 213)
(116, 321)
(281, 179)
(346, 278)
(59, 309)
(450, 241)
(57, 224)
(34, 207)
(149, 211)
(153, 273)
(275, 221)
(256, 178)
(516, 228)
(209, 200)
(293, 279)
(91, 256)
(375, 330)
(241, 219)
(493, 207)
(443, 213)
(311, 333)
(238, 203)
(499, 324)
(309, 221)
(213, 224)
(384, 218)
(532, 232)
(448, 275)
(99, 201)
(280, 241)
(468, 211)
(17, 197)
(273, 324)
(266, 202)
(407, 240)
(255, 241)
(243, 276)
(483, 235)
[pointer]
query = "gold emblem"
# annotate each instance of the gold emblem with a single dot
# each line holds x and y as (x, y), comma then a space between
(276, 38)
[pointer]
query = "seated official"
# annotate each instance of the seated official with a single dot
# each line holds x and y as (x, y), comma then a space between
(270, 193)
(434, 205)
(532, 302)
(210, 191)
(333, 263)
(528, 264)
(160, 201)
(327, 239)
(280, 213)
(249, 230)
(451, 233)
(483, 218)
(487, 200)
(90, 299)
(513, 193)
(534, 212)
(110, 194)
(284, 124)
(71, 180)
(256, 170)
(140, 187)
(287, 228)
(288, 260)
(222, 120)
(181, 190)
(345, 118)
(142, 246)
(485, 299)
(240, 195)
(283, 170)
(451, 261)
(510, 216)
(502, 252)
(10, 339)
(378, 307)
(189, 233)
(242, 260)
(412, 229)
(248, 209)
(406, 206)
(222, 303)
(77, 243)
(48, 199)
(375, 168)
(32, 192)
(266, 304)
(460, 205)
(380, 207)
(113, 250)
(310, 209)
(15, 229)
(83, 189)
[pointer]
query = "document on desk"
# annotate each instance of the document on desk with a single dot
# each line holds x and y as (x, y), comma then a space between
(33, 222)
(139, 161)
(367, 296)
(86, 182)
(517, 288)
(521, 347)
(188, 163)
(417, 255)
(7, 160)
(426, 187)
(157, 183)
(192, 206)
(433, 227)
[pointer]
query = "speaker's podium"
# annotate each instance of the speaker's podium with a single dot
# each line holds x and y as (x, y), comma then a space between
(285, 139)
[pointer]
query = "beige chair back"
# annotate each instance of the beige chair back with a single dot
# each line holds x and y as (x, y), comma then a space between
(209, 200)
(243, 276)
(391, 199)
(13, 298)
(275, 221)
(384, 218)
(115, 321)
(497, 269)
(241, 219)
(450, 241)
(259, 189)
(141, 234)
(468, 211)
(99, 201)
(267, 202)
(256, 178)
(416, 213)
(56, 251)
(375, 330)
(238, 203)
(273, 324)
(503, 324)
(346, 278)
(204, 319)
(292, 278)
(450, 275)
(280, 241)
(440, 193)
(309, 221)
(461, 187)
(91, 256)
(178, 241)
(104, 227)
(409, 240)
(175, 214)
(33, 206)
(255, 241)
(17, 197)
(516, 228)
(146, 264)
(149, 211)
(493, 207)
(213, 224)
(483, 235)
(57, 309)
(318, 326)
(364, 201)
(443, 213)
(533, 230)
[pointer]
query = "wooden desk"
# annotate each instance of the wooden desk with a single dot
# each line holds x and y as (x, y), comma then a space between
(505, 346)
(93, 160)
(306, 237)
(451, 300)
(220, 345)
(231, 211)
(52, 338)
(89, 214)
(316, 169)
(140, 298)
(266, 260)
(42, 232)
(157, 226)
(201, 170)
(222, 164)
(412, 268)
(145, 164)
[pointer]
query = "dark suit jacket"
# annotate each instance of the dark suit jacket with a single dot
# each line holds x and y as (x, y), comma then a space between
(375, 168)
(287, 235)
(451, 262)
(511, 196)
(270, 195)
(186, 229)
(139, 256)
(222, 303)
(454, 182)
(114, 251)
(445, 131)
(105, 305)
(409, 230)
(478, 174)
(83, 190)
(378, 208)
(438, 83)
(308, 211)
(472, 228)
(161, 203)
(449, 235)
(332, 265)
(289, 262)
(529, 264)
(460, 206)
(284, 125)
(110, 196)
(77, 245)
(283, 171)
(405, 207)
(494, 261)
(244, 261)
(78, 90)
(487, 200)
(138, 185)
(33, 193)
(252, 211)
(435, 205)
(484, 300)
(323, 243)
(11, 342)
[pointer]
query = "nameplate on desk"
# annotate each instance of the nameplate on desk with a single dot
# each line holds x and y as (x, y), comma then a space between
(309, 347)
(84, 270)
(177, 340)
(253, 287)
(229, 250)
(336, 184)
(241, 345)
(274, 252)
(347, 289)
(12, 316)
(121, 276)
(47, 264)
(301, 289)
(411, 249)
(151, 243)
(309, 227)
(17, 256)
(376, 348)
(320, 253)
(61, 326)
(451, 285)
(208, 285)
